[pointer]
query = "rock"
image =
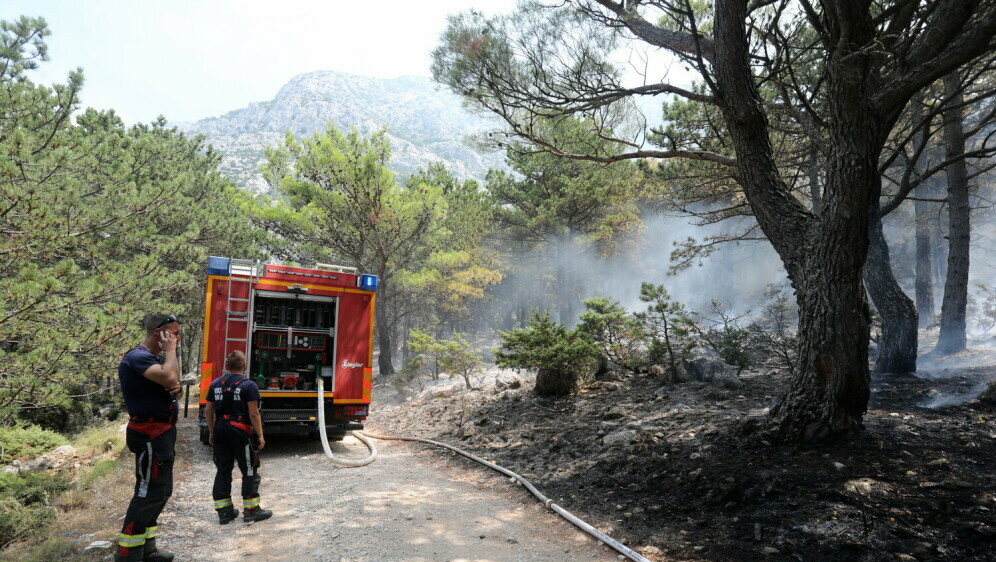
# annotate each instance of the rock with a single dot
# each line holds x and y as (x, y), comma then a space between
(650, 550)
(614, 413)
(924, 551)
(989, 394)
(694, 474)
(512, 382)
(623, 436)
(64, 450)
(956, 484)
(770, 551)
(838, 466)
(97, 544)
(655, 370)
(940, 463)
(678, 373)
(611, 386)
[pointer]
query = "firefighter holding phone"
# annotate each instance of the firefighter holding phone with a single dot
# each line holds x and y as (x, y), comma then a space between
(150, 380)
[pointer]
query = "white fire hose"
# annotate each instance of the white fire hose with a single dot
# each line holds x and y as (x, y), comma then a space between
(620, 547)
(325, 439)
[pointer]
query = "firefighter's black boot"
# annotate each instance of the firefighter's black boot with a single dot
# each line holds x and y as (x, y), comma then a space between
(256, 514)
(227, 514)
(153, 554)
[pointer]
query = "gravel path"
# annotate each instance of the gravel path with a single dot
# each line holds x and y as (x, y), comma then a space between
(410, 504)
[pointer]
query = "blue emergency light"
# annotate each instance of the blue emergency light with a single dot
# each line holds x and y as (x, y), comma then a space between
(367, 282)
(217, 266)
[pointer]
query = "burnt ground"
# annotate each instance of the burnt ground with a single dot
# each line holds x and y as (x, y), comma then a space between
(664, 469)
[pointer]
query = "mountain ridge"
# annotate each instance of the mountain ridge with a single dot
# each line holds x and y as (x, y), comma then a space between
(424, 124)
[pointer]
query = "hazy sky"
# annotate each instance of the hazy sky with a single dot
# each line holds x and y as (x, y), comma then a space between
(189, 59)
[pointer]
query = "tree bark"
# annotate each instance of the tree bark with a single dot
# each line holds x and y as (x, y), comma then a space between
(815, 193)
(924, 246)
(924, 260)
(823, 256)
(385, 363)
(898, 348)
(952, 338)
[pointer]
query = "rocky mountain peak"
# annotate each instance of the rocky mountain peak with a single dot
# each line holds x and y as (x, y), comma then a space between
(424, 123)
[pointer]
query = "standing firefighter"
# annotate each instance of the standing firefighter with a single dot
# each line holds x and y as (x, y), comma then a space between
(232, 415)
(150, 377)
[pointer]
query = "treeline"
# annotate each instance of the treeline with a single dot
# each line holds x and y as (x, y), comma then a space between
(101, 222)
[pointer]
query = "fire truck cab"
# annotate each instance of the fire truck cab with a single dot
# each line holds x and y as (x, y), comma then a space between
(295, 325)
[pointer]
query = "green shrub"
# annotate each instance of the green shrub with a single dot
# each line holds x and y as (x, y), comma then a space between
(31, 488)
(26, 441)
(620, 336)
(667, 326)
(561, 357)
(25, 500)
(19, 522)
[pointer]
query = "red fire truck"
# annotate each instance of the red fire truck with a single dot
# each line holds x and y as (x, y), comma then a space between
(295, 325)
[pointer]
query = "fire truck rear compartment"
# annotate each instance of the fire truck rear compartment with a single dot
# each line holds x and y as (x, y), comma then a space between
(288, 323)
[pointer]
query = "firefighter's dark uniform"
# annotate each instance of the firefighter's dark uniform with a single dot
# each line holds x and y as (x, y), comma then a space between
(151, 435)
(234, 443)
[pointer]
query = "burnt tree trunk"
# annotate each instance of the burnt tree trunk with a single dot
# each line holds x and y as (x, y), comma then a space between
(824, 255)
(924, 260)
(897, 350)
(952, 338)
(924, 247)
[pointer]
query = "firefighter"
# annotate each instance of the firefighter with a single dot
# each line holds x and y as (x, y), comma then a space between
(150, 380)
(236, 432)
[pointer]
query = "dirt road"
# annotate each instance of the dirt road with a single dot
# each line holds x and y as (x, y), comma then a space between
(410, 504)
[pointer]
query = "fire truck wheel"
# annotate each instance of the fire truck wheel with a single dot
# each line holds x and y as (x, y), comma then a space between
(205, 436)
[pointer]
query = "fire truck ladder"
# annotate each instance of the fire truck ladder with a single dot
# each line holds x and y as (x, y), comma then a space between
(242, 276)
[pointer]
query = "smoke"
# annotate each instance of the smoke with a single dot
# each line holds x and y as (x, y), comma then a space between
(735, 274)
(965, 390)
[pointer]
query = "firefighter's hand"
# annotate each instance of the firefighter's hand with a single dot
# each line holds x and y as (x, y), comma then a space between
(262, 443)
(175, 389)
(211, 438)
(167, 341)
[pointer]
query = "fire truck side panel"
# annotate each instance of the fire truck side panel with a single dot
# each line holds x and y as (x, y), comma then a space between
(354, 355)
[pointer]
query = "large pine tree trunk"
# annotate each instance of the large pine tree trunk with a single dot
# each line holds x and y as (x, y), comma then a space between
(897, 350)
(952, 338)
(824, 255)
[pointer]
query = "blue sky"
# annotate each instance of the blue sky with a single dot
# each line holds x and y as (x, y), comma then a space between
(190, 59)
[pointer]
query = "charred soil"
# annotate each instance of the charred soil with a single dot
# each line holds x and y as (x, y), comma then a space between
(673, 471)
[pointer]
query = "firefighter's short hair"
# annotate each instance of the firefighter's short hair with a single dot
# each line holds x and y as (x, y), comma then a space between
(153, 322)
(236, 361)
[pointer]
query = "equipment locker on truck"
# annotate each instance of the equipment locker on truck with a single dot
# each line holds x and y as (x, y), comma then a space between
(295, 325)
